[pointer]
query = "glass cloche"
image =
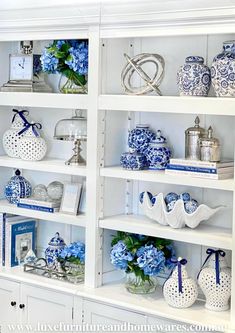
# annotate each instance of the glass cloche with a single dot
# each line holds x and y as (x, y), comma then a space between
(73, 129)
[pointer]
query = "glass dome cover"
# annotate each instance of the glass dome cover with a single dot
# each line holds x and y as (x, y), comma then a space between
(72, 129)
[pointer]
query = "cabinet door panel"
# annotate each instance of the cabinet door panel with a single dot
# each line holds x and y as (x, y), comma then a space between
(9, 292)
(98, 313)
(45, 306)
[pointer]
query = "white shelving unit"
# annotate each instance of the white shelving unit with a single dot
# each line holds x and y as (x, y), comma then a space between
(112, 193)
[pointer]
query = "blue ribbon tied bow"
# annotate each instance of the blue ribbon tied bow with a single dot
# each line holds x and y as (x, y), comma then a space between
(179, 264)
(34, 127)
(21, 114)
(217, 253)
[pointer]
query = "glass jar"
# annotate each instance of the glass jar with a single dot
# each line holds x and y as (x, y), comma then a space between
(137, 285)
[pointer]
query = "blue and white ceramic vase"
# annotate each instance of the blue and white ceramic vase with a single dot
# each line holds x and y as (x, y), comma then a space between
(158, 153)
(18, 187)
(139, 138)
(223, 71)
(133, 161)
(55, 246)
(194, 78)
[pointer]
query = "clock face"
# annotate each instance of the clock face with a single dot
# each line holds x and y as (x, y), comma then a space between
(21, 67)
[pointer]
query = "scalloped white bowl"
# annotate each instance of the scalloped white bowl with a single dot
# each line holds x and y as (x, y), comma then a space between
(178, 217)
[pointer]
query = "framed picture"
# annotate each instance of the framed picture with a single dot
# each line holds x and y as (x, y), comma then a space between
(71, 198)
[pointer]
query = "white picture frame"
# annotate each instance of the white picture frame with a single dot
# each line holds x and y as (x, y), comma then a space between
(71, 198)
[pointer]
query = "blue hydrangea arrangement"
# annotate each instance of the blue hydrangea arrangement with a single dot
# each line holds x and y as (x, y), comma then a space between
(68, 57)
(74, 253)
(144, 256)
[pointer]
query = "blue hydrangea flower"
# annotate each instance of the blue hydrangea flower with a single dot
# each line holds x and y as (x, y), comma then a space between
(60, 43)
(78, 59)
(75, 250)
(49, 62)
(150, 260)
(120, 256)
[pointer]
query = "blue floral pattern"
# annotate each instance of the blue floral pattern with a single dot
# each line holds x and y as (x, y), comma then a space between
(139, 138)
(133, 161)
(223, 71)
(54, 249)
(194, 78)
(18, 187)
(158, 154)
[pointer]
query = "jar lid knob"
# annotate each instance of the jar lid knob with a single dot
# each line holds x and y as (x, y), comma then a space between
(210, 132)
(17, 172)
(197, 121)
(158, 134)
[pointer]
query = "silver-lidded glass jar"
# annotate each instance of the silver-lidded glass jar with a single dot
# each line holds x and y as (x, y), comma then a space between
(210, 147)
(192, 136)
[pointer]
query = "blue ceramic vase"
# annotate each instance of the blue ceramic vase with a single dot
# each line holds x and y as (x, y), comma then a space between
(194, 78)
(223, 71)
(18, 187)
(158, 153)
(139, 138)
(55, 246)
(133, 161)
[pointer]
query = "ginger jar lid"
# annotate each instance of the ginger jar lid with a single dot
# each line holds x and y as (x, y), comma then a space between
(160, 140)
(196, 129)
(57, 241)
(194, 59)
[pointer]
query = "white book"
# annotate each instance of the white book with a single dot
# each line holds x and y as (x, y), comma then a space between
(41, 203)
(199, 174)
(202, 164)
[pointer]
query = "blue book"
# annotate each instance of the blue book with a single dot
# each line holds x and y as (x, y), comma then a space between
(36, 207)
(20, 238)
(191, 168)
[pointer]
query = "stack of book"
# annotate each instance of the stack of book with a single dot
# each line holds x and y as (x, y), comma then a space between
(43, 206)
(17, 237)
(201, 169)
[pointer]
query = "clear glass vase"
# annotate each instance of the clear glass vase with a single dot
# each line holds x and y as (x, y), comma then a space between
(75, 272)
(68, 86)
(137, 285)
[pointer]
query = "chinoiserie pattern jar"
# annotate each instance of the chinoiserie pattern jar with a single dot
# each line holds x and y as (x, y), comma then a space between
(215, 281)
(18, 187)
(158, 153)
(139, 138)
(133, 161)
(223, 71)
(32, 147)
(182, 296)
(11, 137)
(194, 78)
(55, 246)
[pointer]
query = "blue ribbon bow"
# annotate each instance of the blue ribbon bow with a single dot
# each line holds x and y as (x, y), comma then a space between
(21, 114)
(217, 253)
(179, 263)
(34, 126)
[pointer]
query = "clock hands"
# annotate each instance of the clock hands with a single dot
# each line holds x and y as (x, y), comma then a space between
(22, 65)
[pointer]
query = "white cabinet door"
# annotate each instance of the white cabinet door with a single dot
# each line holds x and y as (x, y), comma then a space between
(9, 300)
(98, 313)
(39, 305)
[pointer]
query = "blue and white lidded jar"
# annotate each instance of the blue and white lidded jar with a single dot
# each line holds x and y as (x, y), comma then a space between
(158, 153)
(133, 161)
(223, 71)
(52, 252)
(18, 187)
(180, 291)
(194, 78)
(11, 137)
(139, 138)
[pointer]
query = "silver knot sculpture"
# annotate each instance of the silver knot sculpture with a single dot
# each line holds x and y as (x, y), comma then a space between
(134, 65)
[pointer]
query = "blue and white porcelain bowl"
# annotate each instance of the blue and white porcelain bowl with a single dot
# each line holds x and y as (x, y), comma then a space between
(133, 161)
(55, 246)
(18, 187)
(158, 154)
(223, 71)
(194, 78)
(139, 138)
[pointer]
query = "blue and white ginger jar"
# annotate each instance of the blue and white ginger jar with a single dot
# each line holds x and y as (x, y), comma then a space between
(18, 187)
(139, 138)
(55, 247)
(158, 153)
(223, 71)
(133, 161)
(194, 78)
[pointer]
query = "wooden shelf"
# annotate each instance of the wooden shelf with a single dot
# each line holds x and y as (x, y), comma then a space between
(155, 305)
(161, 177)
(171, 104)
(204, 234)
(44, 100)
(79, 220)
(47, 165)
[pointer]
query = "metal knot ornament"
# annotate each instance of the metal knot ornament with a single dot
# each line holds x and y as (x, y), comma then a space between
(135, 65)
